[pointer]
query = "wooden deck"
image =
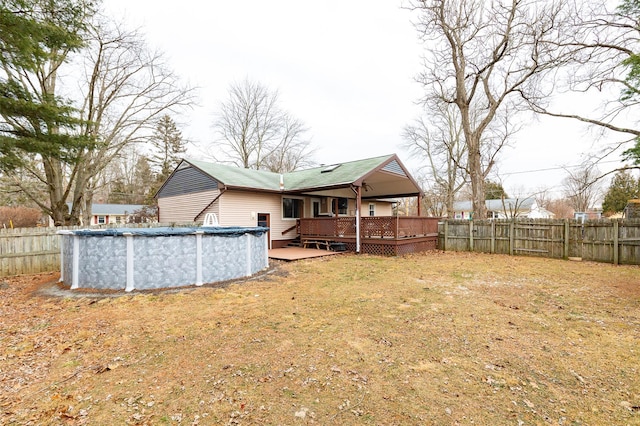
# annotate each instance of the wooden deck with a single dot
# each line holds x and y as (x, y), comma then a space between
(381, 235)
(297, 253)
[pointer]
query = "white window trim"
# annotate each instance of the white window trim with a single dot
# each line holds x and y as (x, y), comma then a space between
(372, 210)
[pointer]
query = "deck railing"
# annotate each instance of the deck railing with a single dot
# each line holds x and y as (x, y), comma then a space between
(393, 227)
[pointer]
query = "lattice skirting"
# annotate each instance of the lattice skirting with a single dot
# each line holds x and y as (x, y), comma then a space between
(395, 248)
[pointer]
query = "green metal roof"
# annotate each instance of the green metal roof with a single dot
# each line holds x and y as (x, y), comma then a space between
(323, 176)
(240, 177)
(318, 177)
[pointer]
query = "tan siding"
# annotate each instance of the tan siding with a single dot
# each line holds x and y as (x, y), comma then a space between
(382, 209)
(214, 208)
(241, 208)
(184, 208)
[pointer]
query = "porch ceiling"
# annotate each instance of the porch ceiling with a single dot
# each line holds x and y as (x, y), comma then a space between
(379, 184)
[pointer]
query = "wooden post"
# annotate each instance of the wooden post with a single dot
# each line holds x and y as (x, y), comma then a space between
(471, 235)
(615, 242)
(446, 235)
(512, 237)
(493, 236)
(566, 239)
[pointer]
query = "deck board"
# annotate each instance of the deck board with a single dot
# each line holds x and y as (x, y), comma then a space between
(297, 253)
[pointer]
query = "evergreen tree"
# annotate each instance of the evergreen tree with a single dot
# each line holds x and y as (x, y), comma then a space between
(35, 39)
(144, 182)
(169, 147)
(494, 190)
(631, 91)
(623, 188)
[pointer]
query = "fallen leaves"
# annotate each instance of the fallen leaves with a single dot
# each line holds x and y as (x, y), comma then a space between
(487, 343)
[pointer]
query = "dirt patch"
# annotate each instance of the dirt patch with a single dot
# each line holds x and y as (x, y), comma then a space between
(55, 288)
(435, 338)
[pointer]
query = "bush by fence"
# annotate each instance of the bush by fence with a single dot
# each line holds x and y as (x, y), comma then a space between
(611, 241)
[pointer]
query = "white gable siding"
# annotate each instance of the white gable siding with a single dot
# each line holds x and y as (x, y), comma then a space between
(184, 208)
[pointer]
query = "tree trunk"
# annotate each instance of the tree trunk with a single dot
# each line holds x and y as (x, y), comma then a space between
(477, 181)
(55, 175)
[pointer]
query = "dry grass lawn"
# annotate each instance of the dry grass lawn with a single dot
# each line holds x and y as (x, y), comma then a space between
(434, 338)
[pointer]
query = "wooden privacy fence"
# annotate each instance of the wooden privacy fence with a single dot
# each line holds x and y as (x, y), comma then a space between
(36, 250)
(611, 241)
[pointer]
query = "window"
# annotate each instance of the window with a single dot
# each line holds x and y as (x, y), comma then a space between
(372, 209)
(102, 220)
(329, 169)
(343, 205)
(292, 208)
(118, 219)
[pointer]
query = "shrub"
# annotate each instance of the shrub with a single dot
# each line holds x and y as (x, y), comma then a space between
(19, 217)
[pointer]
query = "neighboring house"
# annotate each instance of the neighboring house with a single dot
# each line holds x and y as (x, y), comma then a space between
(595, 214)
(103, 214)
(503, 209)
(246, 197)
(632, 210)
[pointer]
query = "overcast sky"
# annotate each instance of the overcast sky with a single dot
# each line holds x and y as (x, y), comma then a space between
(345, 68)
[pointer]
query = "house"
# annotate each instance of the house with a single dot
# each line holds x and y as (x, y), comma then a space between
(632, 210)
(103, 214)
(592, 214)
(503, 209)
(246, 197)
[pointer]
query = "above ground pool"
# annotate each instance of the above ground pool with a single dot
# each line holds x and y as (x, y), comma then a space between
(153, 258)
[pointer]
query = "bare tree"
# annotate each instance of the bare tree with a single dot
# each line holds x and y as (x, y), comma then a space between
(604, 61)
(561, 208)
(485, 58)
(293, 151)
(125, 91)
(255, 133)
(582, 187)
(439, 141)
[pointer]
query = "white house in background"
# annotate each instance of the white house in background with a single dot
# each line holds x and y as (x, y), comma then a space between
(503, 209)
(112, 213)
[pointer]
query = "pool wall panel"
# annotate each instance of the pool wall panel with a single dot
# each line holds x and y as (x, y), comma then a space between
(163, 260)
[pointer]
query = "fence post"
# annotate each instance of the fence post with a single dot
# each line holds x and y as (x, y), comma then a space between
(446, 235)
(615, 242)
(61, 242)
(471, 235)
(512, 237)
(493, 236)
(565, 253)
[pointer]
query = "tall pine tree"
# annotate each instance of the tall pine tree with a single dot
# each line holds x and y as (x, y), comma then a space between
(623, 188)
(35, 39)
(169, 147)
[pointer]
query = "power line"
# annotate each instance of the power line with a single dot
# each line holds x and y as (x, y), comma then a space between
(554, 168)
